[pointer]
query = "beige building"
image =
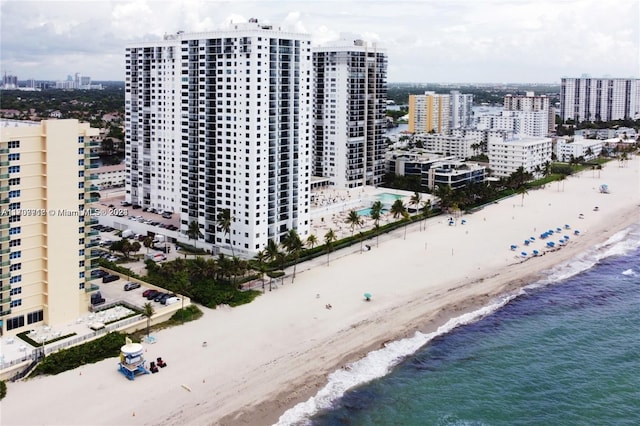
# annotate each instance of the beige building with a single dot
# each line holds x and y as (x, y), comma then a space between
(45, 235)
(429, 113)
(110, 176)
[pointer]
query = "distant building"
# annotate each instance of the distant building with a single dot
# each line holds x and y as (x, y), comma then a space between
(506, 156)
(599, 99)
(461, 147)
(524, 123)
(46, 234)
(350, 105)
(578, 147)
(533, 103)
(109, 176)
(455, 174)
(9, 82)
(438, 113)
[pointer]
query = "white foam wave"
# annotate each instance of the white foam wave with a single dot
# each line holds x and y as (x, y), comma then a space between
(629, 272)
(376, 364)
(619, 244)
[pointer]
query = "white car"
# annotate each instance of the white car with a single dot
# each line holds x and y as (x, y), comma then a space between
(171, 300)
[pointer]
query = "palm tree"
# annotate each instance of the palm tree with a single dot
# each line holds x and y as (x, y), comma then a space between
(147, 242)
(353, 220)
(183, 286)
(415, 200)
(223, 223)
(329, 238)
(312, 240)
(405, 217)
(147, 312)
(261, 265)
(273, 254)
(293, 244)
(194, 232)
(445, 195)
(426, 209)
(397, 209)
(376, 211)
(523, 190)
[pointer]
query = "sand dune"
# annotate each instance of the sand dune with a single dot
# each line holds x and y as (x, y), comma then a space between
(264, 357)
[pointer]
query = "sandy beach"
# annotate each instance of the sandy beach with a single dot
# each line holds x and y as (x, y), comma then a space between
(265, 357)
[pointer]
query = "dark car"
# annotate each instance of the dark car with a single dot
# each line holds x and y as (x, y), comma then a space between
(164, 298)
(152, 294)
(131, 286)
(97, 299)
(110, 278)
(136, 206)
(159, 297)
(99, 273)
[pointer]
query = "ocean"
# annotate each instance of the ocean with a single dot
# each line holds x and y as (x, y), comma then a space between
(563, 351)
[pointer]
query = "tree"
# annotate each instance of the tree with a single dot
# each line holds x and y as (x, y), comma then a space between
(147, 312)
(415, 200)
(135, 247)
(445, 195)
(193, 232)
(426, 209)
(293, 244)
(523, 190)
(312, 240)
(261, 265)
(273, 254)
(353, 220)
(183, 285)
(376, 212)
(123, 246)
(405, 217)
(147, 242)
(329, 239)
(397, 209)
(223, 222)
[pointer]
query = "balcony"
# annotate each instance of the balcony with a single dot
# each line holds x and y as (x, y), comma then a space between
(91, 222)
(4, 263)
(4, 176)
(86, 166)
(5, 287)
(90, 188)
(4, 238)
(5, 275)
(4, 150)
(4, 188)
(5, 301)
(91, 233)
(4, 164)
(90, 177)
(89, 287)
(90, 200)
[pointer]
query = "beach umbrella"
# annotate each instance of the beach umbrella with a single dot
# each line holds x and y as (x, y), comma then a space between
(536, 252)
(526, 242)
(567, 226)
(558, 230)
(532, 238)
(576, 232)
(367, 296)
(524, 254)
(513, 246)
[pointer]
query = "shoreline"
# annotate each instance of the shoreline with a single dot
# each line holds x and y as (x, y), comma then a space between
(268, 412)
(265, 357)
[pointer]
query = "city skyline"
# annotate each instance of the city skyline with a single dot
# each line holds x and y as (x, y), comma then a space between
(494, 41)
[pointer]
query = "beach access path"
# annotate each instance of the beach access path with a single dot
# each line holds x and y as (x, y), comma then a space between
(265, 357)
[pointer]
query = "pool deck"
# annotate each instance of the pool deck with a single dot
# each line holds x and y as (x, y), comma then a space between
(330, 208)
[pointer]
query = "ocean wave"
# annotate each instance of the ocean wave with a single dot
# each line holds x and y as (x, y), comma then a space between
(377, 364)
(619, 244)
(629, 272)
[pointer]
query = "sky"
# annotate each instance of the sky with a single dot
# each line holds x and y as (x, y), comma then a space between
(427, 41)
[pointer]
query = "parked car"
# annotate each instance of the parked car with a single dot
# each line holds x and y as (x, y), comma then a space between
(131, 286)
(110, 278)
(152, 294)
(97, 299)
(159, 297)
(99, 273)
(166, 297)
(147, 292)
(136, 206)
(171, 300)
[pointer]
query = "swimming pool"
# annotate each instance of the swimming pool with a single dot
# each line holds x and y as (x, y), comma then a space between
(388, 198)
(367, 212)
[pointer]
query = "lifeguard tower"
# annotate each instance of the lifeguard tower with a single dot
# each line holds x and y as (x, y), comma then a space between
(132, 360)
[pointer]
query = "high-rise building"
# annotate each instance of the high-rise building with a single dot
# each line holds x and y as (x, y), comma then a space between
(222, 120)
(599, 99)
(533, 103)
(439, 113)
(350, 107)
(45, 224)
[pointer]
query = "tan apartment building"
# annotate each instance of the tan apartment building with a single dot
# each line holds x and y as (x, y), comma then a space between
(429, 113)
(45, 232)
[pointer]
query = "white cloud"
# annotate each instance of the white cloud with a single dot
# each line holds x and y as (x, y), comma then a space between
(427, 40)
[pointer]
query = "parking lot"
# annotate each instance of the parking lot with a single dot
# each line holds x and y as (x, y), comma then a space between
(114, 291)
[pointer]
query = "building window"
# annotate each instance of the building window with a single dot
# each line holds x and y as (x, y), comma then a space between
(14, 218)
(36, 316)
(16, 290)
(14, 194)
(81, 151)
(81, 274)
(16, 322)
(15, 255)
(15, 267)
(14, 206)
(81, 139)
(14, 144)
(15, 279)
(14, 157)
(14, 231)
(14, 303)
(14, 181)
(81, 286)
(80, 162)
(14, 169)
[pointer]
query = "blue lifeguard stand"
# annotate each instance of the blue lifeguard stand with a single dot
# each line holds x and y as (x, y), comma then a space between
(132, 360)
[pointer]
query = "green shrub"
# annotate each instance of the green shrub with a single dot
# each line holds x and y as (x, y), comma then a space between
(190, 313)
(3, 389)
(91, 352)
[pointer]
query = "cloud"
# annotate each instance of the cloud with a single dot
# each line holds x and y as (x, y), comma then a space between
(426, 40)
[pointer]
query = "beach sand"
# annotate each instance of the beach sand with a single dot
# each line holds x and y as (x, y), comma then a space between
(265, 357)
